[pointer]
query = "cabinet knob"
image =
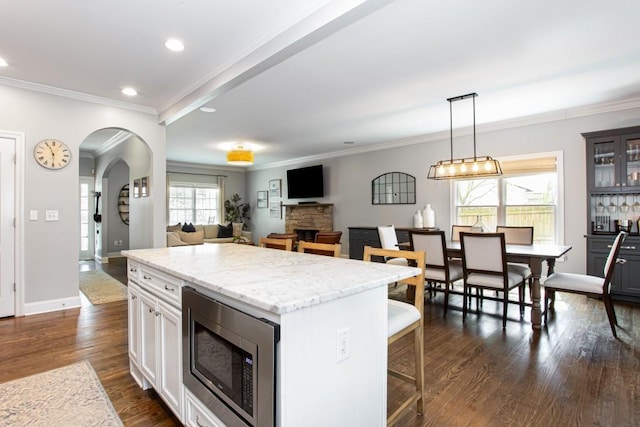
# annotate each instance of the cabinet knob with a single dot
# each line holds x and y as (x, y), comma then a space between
(150, 310)
(133, 297)
(146, 277)
(157, 313)
(133, 270)
(621, 261)
(169, 289)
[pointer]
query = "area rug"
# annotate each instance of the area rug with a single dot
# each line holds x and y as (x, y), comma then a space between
(69, 396)
(101, 288)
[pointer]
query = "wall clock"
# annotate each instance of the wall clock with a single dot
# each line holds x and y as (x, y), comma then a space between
(52, 154)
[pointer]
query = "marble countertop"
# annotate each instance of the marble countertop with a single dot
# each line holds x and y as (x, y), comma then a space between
(270, 279)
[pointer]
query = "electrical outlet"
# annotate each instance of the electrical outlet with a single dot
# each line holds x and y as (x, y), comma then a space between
(343, 347)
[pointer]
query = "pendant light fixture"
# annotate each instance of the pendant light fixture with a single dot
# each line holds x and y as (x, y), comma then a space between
(240, 156)
(469, 167)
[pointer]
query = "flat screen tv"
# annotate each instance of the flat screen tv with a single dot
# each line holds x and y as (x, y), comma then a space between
(304, 183)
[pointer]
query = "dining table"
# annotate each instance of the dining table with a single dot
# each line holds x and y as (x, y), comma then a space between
(533, 255)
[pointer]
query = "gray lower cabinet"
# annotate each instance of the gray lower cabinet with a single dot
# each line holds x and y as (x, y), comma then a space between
(626, 281)
(359, 237)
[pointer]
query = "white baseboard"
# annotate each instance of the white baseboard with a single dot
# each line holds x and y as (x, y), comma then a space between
(51, 305)
(115, 255)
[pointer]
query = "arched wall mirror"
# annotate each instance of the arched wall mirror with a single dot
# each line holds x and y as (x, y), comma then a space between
(393, 188)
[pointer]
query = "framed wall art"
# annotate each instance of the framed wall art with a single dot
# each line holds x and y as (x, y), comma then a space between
(275, 210)
(263, 199)
(275, 189)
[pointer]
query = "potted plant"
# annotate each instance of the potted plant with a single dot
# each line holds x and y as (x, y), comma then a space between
(236, 211)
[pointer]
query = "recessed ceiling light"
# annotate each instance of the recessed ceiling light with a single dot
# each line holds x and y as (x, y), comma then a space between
(3, 63)
(348, 142)
(174, 45)
(129, 91)
(207, 109)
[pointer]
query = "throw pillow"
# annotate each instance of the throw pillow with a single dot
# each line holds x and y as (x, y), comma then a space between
(225, 230)
(177, 227)
(188, 228)
(173, 239)
(192, 238)
(210, 231)
(237, 229)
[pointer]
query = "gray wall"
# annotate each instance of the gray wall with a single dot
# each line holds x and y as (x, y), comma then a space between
(348, 178)
(50, 249)
(118, 230)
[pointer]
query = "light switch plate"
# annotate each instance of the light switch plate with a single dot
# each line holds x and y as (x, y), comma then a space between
(51, 215)
(33, 215)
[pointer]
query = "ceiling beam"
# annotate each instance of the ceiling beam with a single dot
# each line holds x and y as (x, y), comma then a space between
(334, 16)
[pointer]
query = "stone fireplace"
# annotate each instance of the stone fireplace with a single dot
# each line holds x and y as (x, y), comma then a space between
(307, 219)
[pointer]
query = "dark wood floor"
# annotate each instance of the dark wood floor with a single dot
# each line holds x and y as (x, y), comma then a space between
(573, 372)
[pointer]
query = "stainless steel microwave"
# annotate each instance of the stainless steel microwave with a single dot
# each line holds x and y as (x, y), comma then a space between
(229, 360)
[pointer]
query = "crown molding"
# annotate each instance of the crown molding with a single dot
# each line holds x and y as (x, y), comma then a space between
(552, 116)
(117, 139)
(79, 96)
(176, 164)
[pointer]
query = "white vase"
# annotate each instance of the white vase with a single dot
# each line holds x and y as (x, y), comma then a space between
(417, 219)
(428, 217)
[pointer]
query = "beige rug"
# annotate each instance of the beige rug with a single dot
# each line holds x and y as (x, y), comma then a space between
(69, 396)
(101, 288)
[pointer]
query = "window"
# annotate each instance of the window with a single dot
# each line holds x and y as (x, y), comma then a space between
(526, 194)
(195, 203)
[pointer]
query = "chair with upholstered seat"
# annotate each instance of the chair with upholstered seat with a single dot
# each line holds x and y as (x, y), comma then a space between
(328, 237)
(283, 244)
(389, 240)
(590, 286)
(439, 269)
(405, 318)
(484, 261)
(518, 236)
(327, 249)
(457, 229)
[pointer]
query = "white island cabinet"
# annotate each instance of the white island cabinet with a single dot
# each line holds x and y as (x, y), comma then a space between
(331, 359)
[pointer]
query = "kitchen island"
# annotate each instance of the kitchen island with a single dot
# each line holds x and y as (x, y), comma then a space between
(332, 314)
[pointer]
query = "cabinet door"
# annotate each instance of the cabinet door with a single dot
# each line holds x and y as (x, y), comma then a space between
(631, 173)
(134, 322)
(603, 163)
(170, 352)
(149, 338)
(629, 283)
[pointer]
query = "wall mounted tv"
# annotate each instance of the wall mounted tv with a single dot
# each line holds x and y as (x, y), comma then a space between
(304, 183)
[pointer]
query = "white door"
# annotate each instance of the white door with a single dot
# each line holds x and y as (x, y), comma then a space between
(7, 227)
(86, 223)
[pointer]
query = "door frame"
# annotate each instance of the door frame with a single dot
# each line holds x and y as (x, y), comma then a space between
(92, 233)
(19, 141)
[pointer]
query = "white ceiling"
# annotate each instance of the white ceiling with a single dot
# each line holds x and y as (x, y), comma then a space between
(299, 78)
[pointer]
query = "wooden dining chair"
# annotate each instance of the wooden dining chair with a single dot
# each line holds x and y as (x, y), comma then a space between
(590, 286)
(438, 268)
(518, 235)
(484, 262)
(283, 244)
(457, 229)
(389, 240)
(405, 318)
(327, 249)
(328, 237)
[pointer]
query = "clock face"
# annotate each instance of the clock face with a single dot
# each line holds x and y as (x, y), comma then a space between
(52, 154)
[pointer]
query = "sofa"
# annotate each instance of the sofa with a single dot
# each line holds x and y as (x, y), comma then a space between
(207, 233)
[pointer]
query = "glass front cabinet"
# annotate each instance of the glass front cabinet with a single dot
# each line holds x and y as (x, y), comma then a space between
(613, 204)
(613, 161)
